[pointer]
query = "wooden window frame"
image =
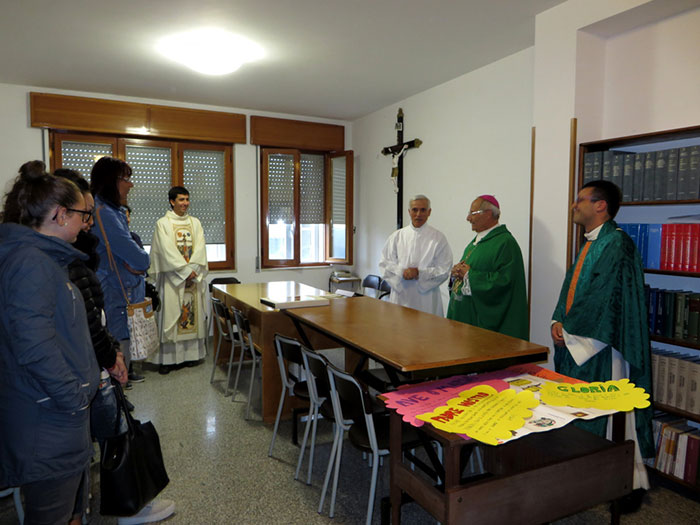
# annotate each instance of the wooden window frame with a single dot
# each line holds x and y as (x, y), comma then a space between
(177, 148)
(295, 262)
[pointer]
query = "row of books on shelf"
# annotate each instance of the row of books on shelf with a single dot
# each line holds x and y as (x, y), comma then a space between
(671, 247)
(674, 314)
(666, 175)
(677, 447)
(675, 380)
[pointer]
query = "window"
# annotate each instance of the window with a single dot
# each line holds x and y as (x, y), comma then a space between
(203, 168)
(306, 208)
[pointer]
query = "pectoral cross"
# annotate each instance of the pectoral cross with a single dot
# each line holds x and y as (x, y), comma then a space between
(397, 152)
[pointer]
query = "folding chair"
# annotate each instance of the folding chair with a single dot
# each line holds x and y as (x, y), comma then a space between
(384, 289)
(369, 433)
(371, 281)
(245, 340)
(288, 351)
(319, 404)
(226, 329)
(210, 322)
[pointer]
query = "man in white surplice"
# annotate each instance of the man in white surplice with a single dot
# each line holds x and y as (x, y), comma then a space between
(416, 260)
(179, 267)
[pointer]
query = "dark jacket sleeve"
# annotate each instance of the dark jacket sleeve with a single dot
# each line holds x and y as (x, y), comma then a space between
(104, 344)
(30, 314)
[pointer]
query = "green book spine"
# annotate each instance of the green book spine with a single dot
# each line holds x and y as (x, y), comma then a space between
(694, 174)
(672, 175)
(693, 317)
(638, 186)
(669, 311)
(628, 177)
(683, 172)
(649, 170)
(660, 175)
(679, 315)
(618, 161)
(607, 165)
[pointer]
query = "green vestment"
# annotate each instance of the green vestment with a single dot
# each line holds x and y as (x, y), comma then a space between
(498, 299)
(609, 306)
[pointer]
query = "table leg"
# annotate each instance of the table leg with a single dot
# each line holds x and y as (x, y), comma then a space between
(395, 461)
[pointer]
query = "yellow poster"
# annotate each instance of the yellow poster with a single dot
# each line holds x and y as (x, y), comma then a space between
(620, 395)
(483, 413)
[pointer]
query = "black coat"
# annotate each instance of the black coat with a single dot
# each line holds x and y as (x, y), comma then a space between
(82, 275)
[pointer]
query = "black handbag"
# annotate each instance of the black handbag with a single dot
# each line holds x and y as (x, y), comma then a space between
(132, 472)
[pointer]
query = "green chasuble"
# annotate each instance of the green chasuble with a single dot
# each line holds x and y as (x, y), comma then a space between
(609, 306)
(498, 300)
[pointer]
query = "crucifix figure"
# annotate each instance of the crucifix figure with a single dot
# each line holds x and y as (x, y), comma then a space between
(397, 152)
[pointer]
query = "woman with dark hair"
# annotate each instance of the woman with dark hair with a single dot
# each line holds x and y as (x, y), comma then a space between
(82, 274)
(48, 371)
(110, 183)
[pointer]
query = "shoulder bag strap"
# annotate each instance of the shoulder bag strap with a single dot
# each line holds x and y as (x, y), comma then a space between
(112, 262)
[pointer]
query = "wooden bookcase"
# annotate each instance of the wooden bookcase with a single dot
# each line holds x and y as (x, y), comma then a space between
(656, 211)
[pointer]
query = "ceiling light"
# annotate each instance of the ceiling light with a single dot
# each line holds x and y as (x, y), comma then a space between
(210, 51)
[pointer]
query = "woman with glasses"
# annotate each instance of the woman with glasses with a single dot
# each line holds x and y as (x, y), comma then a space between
(82, 274)
(110, 183)
(48, 371)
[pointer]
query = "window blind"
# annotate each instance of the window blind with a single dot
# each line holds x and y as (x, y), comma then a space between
(152, 176)
(81, 156)
(203, 176)
(311, 189)
(281, 188)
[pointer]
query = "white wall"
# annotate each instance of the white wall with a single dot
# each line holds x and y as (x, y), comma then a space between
(476, 139)
(616, 66)
(19, 143)
(652, 77)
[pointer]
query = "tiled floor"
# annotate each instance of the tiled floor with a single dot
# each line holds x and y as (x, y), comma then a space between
(220, 472)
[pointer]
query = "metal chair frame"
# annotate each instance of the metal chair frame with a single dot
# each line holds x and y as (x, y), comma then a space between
(227, 332)
(340, 380)
(319, 394)
(245, 340)
(287, 349)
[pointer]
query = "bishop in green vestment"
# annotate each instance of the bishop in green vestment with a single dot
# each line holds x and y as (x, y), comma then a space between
(600, 324)
(488, 290)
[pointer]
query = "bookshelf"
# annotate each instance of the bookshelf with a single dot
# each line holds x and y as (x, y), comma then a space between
(660, 201)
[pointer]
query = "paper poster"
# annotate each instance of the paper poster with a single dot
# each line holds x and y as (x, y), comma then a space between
(419, 399)
(484, 413)
(619, 395)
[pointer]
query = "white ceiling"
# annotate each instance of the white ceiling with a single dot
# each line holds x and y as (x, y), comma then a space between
(327, 58)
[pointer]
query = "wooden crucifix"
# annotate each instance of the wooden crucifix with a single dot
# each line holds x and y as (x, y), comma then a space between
(397, 151)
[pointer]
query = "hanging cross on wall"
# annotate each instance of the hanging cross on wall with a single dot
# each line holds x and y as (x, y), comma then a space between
(397, 152)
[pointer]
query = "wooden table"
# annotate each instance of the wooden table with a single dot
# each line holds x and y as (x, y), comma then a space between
(423, 345)
(532, 480)
(265, 322)
(535, 479)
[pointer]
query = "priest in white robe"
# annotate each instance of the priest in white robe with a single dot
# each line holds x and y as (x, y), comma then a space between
(179, 268)
(416, 260)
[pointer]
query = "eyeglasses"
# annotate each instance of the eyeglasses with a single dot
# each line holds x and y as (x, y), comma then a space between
(579, 200)
(477, 212)
(125, 178)
(86, 213)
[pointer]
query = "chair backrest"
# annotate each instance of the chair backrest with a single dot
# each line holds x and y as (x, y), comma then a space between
(371, 281)
(243, 328)
(315, 365)
(384, 288)
(222, 280)
(288, 350)
(222, 316)
(352, 397)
